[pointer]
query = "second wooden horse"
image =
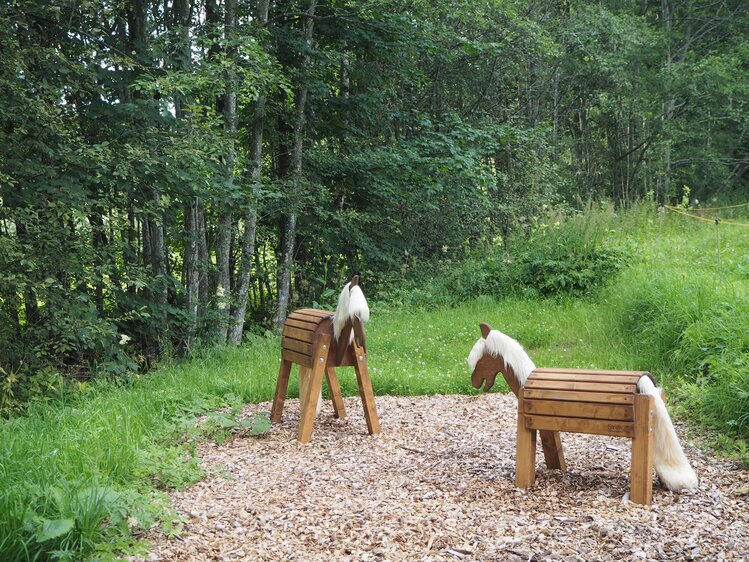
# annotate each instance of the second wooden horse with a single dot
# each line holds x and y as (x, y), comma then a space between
(319, 341)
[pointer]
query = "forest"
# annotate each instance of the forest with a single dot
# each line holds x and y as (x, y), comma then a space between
(177, 174)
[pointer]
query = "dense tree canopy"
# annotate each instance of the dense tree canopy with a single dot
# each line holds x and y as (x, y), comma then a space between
(183, 170)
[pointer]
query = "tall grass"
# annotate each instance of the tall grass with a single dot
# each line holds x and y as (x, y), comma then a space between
(77, 475)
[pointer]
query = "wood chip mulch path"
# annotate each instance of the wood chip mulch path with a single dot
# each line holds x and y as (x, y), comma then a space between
(438, 484)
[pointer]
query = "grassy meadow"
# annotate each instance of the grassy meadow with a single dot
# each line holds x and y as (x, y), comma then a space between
(84, 471)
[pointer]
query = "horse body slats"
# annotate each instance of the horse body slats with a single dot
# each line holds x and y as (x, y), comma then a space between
(576, 396)
(580, 425)
(567, 409)
(304, 324)
(585, 386)
(311, 313)
(299, 346)
(591, 376)
(595, 372)
(296, 357)
(298, 333)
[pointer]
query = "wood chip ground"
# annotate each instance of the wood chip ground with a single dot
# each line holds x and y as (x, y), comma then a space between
(438, 484)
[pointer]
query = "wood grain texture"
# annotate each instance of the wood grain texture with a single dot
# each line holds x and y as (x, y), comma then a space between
(568, 409)
(525, 454)
(280, 395)
(641, 484)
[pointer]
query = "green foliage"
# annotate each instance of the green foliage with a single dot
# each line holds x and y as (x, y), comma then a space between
(113, 444)
(560, 257)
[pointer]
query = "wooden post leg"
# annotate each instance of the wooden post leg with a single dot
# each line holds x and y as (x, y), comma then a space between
(281, 385)
(335, 392)
(551, 443)
(312, 387)
(641, 490)
(365, 389)
(304, 379)
(525, 455)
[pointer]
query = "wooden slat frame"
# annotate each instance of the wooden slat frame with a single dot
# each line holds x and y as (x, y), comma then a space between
(533, 384)
(299, 333)
(311, 313)
(308, 325)
(295, 357)
(581, 425)
(299, 346)
(545, 370)
(590, 410)
(586, 377)
(577, 396)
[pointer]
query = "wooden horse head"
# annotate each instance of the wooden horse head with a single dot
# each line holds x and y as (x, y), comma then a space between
(487, 365)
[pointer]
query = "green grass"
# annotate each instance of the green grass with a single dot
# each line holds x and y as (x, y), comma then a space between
(79, 473)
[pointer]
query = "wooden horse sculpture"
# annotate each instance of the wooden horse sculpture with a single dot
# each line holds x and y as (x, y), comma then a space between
(319, 341)
(619, 403)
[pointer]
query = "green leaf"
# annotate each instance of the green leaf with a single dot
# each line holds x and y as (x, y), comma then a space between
(261, 424)
(54, 528)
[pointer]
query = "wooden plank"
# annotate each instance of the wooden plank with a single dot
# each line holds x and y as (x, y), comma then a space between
(365, 389)
(641, 485)
(567, 409)
(551, 443)
(580, 425)
(303, 324)
(603, 397)
(311, 313)
(297, 345)
(280, 396)
(582, 386)
(298, 333)
(593, 377)
(545, 370)
(312, 391)
(295, 357)
(315, 312)
(525, 453)
(335, 393)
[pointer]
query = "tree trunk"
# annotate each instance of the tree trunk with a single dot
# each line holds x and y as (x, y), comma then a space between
(228, 106)
(295, 172)
(190, 273)
(250, 217)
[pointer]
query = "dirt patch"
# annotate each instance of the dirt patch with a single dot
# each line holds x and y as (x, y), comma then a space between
(438, 484)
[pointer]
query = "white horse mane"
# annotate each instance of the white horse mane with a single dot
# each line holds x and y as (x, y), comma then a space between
(496, 344)
(669, 460)
(351, 304)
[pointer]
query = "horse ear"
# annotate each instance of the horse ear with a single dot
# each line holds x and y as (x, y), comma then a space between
(485, 329)
(354, 281)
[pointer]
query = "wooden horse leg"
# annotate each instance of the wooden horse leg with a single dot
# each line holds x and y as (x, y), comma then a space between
(305, 374)
(335, 392)
(365, 388)
(525, 455)
(281, 386)
(310, 389)
(641, 490)
(551, 443)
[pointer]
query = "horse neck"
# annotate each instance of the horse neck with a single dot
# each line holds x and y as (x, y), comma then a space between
(509, 374)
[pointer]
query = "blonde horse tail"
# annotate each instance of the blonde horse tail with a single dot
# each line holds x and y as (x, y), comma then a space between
(669, 460)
